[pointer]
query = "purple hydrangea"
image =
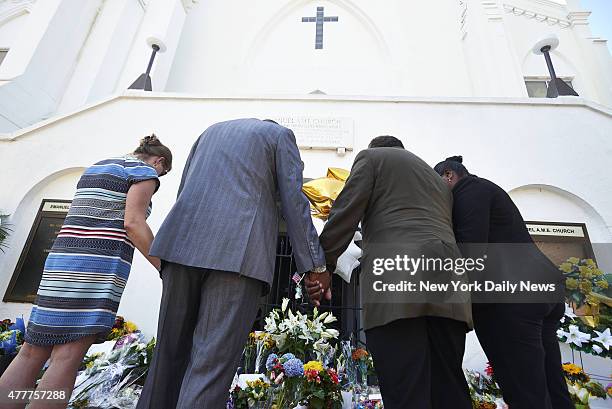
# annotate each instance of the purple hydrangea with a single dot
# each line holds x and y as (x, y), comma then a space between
(271, 361)
(287, 357)
(293, 367)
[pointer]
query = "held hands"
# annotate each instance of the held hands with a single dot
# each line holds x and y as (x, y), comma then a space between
(318, 285)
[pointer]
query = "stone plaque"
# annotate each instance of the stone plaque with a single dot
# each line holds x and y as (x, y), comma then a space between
(46, 227)
(320, 132)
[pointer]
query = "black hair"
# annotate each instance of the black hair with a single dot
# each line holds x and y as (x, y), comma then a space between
(454, 163)
(386, 141)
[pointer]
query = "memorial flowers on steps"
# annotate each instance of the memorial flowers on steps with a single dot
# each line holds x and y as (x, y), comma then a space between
(298, 333)
(581, 336)
(320, 388)
(582, 389)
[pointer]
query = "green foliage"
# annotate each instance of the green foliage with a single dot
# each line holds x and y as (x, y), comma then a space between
(5, 230)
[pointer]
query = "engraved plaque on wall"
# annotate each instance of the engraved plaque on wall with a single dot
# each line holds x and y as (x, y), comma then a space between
(320, 132)
(46, 227)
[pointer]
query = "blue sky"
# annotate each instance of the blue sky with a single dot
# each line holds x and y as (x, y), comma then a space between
(601, 19)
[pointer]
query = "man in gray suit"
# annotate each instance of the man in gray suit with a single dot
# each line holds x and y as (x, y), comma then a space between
(217, 247)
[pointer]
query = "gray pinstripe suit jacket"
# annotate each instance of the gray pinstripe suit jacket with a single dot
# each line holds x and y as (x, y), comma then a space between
(226, 217)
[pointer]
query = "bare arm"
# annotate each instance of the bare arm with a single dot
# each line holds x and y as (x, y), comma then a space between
(138, 198)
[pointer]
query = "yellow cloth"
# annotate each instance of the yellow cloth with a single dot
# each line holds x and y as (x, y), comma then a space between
(322, 192)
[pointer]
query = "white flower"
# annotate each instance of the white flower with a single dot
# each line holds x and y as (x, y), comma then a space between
(560, 333)
(597, 349)
(583, 394)
(329, 319)
(317, 327)
(285, 304)
(574, 336)
(329, 333)
(270, 326)
(604, 338)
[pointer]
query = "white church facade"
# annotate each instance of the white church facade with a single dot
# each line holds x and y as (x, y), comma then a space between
(447, 77)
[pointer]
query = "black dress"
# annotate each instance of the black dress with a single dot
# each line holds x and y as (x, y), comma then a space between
(518, 338)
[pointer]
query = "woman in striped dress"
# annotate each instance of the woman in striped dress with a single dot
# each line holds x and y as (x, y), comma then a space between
(88, 266)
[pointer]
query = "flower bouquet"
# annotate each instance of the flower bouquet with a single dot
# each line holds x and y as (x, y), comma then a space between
(320, 387)
(582, 337)
(254, 395)
(582, 389)
(121, 328)
(114, 379)
(285, 372)
(484, 390)
(258, 344)
(298, 333)
(586, 285)
(11, 339)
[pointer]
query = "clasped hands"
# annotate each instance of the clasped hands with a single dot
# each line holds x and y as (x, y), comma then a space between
(318, 286)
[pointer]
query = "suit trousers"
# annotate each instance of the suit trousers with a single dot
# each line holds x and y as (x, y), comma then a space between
(418, 363)
(520, 341)
(204, 321)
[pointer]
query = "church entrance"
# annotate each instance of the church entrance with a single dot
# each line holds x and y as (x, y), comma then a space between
(345, 303)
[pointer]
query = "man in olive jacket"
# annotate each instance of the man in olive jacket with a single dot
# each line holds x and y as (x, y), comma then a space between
(417, 342)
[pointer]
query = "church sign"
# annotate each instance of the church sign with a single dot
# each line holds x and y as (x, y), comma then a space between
(555, 230)
(560, 241)
(46, 227)
(320, 132)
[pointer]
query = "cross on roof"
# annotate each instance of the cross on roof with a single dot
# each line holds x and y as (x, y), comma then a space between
(319, 20)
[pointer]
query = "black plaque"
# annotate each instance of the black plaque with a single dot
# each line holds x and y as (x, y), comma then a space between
(46, 227)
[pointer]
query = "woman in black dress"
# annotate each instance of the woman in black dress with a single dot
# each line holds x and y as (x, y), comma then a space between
(518, 336)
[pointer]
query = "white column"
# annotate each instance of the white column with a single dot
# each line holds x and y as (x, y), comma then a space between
(30, 36)
(163, 19)
(596, 61)
(47, 61)
(105, 53)
(494, 66)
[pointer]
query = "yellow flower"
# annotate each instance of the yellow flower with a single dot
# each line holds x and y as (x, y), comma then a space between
(566, 267)
(257, 383)
(573, 260)
(571, 283)
(572, 369)
(589, 262)
(585, 286)
(591, 300)
(130, 326)
(313, 365)
(597, 272)
(586, 272)
(602, 284)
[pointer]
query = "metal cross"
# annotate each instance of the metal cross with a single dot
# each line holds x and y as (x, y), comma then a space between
(319, 19)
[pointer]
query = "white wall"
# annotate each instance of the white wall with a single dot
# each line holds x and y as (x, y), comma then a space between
(562, 143)
(238, 47)
(11, 28)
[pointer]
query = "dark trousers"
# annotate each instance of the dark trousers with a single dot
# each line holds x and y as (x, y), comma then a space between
(204, 321)
(520, 341)
(418, 363)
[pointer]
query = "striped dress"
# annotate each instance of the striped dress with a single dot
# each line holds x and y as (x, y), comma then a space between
(89, 264)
